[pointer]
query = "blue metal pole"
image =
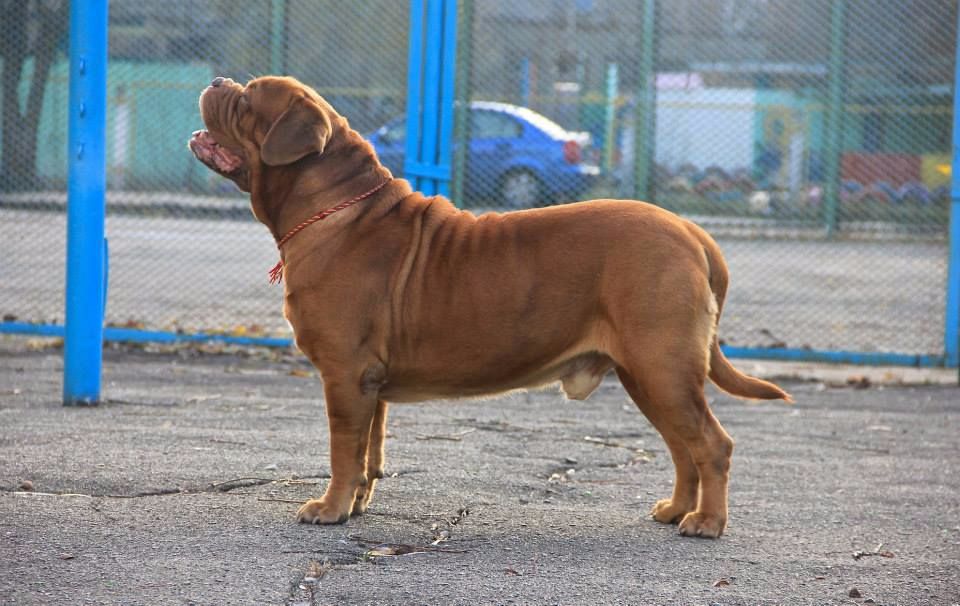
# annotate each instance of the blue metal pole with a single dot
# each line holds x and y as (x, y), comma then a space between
(448, 72)
(951, 333)
(431, 92)
(83, 336)
(431, 77)
(610, 117)
(525, 82)
(414, 86)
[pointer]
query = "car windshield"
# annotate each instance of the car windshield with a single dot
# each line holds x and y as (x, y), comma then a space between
(538, 121)
(396, 129)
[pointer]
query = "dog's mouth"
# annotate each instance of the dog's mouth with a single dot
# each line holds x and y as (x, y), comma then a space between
(214, 155)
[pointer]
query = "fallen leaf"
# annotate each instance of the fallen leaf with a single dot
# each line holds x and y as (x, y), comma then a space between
(66, 556)
(511, 572)
(721, 583)
(299, 372)
(392, 549)
(316, 571)
(43, 343)
(858, 381)
(877, 551)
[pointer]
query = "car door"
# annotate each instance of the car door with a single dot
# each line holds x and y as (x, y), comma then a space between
(493, 137)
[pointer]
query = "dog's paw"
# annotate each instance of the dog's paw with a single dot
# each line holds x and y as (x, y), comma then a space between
(699, 524)
(365, 492)
(667, 512)
(361, 502)
(318, 511)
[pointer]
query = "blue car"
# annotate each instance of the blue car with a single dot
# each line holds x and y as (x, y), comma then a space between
(517, 157)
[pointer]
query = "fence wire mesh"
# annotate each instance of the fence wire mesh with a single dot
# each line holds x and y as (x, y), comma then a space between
(811, 138)
(185, 252)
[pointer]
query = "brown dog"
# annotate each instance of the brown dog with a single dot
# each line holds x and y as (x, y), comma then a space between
(398, 297)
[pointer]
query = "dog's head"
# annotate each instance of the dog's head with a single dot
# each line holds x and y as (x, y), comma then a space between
(272, 121)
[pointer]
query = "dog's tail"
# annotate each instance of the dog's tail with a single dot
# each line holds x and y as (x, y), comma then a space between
(723, 374)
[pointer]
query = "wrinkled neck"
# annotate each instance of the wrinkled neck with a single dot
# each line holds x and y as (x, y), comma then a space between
(285, 196)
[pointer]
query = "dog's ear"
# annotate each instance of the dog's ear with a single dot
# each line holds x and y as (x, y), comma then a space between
(303, 129)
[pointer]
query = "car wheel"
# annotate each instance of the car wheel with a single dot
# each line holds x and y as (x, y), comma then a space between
(520, 189)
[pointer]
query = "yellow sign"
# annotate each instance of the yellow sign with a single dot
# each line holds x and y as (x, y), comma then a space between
(935, 170)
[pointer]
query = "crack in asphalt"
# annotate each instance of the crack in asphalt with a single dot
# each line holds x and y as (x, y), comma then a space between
(217, 487)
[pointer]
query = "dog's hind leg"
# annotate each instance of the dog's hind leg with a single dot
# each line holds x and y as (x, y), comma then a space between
(350, 413)
(375, 458)
(687, 481)
(678, 409)
(665, 373)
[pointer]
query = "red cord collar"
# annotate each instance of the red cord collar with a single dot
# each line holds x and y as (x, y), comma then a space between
(276, 274)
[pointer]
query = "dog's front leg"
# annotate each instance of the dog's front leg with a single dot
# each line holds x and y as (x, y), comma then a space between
(375, 458)
(350, 413)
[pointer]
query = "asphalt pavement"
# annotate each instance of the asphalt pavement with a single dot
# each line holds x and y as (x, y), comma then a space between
(181, 488)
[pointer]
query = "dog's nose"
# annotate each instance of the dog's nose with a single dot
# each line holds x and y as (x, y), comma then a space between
(217, 81)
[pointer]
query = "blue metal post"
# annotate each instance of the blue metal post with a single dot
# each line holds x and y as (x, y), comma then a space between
(610, 117)
(429, 137)
(83, 336)
(414, 85)
(951, 333)
(525, 82)
(430, 95)
(448, 77)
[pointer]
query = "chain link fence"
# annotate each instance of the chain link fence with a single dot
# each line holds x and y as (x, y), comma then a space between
(812, 138)
(185, 252)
